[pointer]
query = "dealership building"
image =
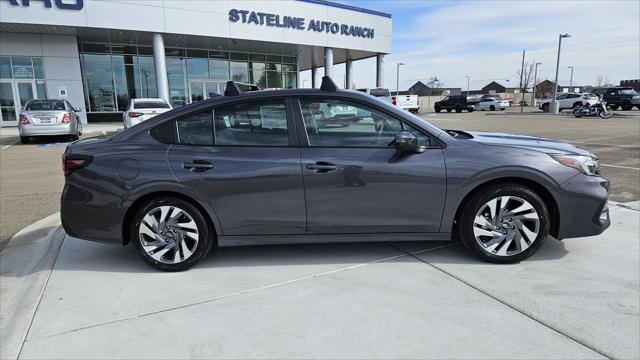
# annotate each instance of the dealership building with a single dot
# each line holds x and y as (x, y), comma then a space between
(99, 54)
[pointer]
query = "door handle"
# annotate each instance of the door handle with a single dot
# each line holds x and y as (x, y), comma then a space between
(198, 165)
(321, 166)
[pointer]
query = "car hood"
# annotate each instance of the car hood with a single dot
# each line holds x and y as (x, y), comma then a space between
(528, 142)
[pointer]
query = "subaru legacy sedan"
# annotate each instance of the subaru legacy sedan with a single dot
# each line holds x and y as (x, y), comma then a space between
(195, 179)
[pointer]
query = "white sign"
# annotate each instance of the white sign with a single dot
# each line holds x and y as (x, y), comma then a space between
(62, 91)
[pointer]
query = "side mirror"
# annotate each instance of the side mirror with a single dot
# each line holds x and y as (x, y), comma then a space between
(408, 141)
(77, 109)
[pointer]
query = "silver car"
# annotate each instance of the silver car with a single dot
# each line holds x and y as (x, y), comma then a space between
(49, 118)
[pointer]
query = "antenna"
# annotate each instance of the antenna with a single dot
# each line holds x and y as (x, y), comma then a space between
(328, 85)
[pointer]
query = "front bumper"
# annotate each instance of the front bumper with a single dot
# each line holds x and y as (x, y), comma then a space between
(582, 206)
(47, 130)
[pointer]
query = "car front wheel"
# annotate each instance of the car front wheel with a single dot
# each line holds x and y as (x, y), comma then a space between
(170, 234)
(504, 224)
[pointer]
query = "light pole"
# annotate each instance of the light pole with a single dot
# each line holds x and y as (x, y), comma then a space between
(398, 78)
(535, 83)
(570, 81)
(468, 79)
(555, 106)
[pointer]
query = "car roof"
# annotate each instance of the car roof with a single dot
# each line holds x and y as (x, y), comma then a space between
(148, 99)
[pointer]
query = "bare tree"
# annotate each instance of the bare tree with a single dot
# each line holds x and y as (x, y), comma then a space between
(603, 80)
(527, 76)
(433, 86)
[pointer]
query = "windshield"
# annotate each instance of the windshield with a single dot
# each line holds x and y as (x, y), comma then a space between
(45, 105)
(628, 92)
(379, 92)
(150, 105)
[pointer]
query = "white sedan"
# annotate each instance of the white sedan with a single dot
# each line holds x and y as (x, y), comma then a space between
(143, 109)
(492, 104)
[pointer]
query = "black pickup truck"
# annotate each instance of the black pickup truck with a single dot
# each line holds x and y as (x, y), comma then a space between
(618, 96)
(455, 102)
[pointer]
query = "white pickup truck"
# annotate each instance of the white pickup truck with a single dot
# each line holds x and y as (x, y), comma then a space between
(406, 102)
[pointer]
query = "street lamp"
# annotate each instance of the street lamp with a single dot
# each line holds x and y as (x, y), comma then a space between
(555, 106)
(398, 77)
(535, 83)
(468, 78)
(570, 81)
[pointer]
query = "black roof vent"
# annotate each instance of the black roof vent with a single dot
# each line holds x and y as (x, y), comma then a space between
(232, 89)
(328, 85)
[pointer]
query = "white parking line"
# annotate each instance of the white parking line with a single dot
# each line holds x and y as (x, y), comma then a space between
(8, 146)
(621, 167)
(601, 144)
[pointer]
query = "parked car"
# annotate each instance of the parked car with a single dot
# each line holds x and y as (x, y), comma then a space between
(334, 114)
(51, 117)
(455, 102)
(381, 93)
(618, 97)
(570, 101)
(492, 104)
(143, 109)
(186, 181)
(406, 102)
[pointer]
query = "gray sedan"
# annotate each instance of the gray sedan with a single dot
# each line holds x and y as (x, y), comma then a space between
(49, 118)
(195, 179)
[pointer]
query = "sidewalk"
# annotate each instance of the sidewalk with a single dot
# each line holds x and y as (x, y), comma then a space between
(578, 298)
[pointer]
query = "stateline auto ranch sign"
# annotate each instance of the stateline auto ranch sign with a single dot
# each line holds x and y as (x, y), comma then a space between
(298, 23)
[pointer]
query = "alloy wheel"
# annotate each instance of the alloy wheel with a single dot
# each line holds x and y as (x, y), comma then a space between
(506, 226)
(168, 234)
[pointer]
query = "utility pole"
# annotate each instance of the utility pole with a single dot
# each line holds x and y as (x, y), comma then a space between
(398, 78)
(535, 83)
(468, 78)
(571, 81)
(556, 106)
(521, 82)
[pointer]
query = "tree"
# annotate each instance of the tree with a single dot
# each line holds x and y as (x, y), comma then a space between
(603, 80)
(527, 76)
(433, 86)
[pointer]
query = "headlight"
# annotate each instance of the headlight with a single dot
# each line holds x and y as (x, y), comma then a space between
(636, 97)
(585, 164)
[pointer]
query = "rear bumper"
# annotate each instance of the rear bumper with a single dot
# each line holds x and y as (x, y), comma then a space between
(582, 206)
(47, 130)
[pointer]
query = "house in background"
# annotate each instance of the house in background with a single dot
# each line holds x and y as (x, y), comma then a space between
(635, 84)
(421, 89)
(495, 87)
(545, 88)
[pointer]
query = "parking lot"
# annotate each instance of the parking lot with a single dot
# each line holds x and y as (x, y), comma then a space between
(579, 298)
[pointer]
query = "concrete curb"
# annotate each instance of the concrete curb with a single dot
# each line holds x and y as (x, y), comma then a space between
(25, 266)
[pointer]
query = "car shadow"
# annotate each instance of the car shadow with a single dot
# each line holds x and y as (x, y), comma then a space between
(80, 255)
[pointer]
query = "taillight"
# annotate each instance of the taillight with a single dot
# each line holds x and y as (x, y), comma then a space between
(66, 118)
(393, 100)
(72, 162)
(134, 114)
(24, 120)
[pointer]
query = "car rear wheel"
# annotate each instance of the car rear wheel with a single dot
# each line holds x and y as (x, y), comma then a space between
(627, 107)
(614, 107)
(25, 139)
(170, 234)
(437, 109)
(504, 224)
(545, 107)
(492, 108)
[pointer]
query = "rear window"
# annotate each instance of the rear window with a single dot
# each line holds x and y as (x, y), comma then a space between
(150, 105)
(379, 92)
(45, 105)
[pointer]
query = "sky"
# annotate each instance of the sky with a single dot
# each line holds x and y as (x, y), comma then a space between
(485, 40)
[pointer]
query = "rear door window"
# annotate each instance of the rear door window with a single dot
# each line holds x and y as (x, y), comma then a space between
(255, 123)
(195, 129)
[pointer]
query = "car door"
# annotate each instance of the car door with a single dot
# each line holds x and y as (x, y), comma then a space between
(355, 180)
(242, 160)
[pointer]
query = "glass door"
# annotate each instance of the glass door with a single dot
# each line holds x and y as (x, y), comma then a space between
(26, 91)
(7, 104)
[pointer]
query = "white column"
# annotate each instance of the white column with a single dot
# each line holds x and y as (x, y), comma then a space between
(314, 71)
(380, 70)
(162, 82)
(328, 62)
(348, 74)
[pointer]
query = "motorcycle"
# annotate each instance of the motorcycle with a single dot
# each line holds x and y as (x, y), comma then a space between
(598, 109)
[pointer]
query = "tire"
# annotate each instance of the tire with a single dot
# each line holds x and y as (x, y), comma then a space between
(471, 109)
(437, 109)
(75, 137)
(577, 106)
(545, 107)
(627, 107)
(25, 139)
(448, 110)
(458, 109)
(607, 114)
(614, 107)
(192, 248)
(492, 108)
(494, 245)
